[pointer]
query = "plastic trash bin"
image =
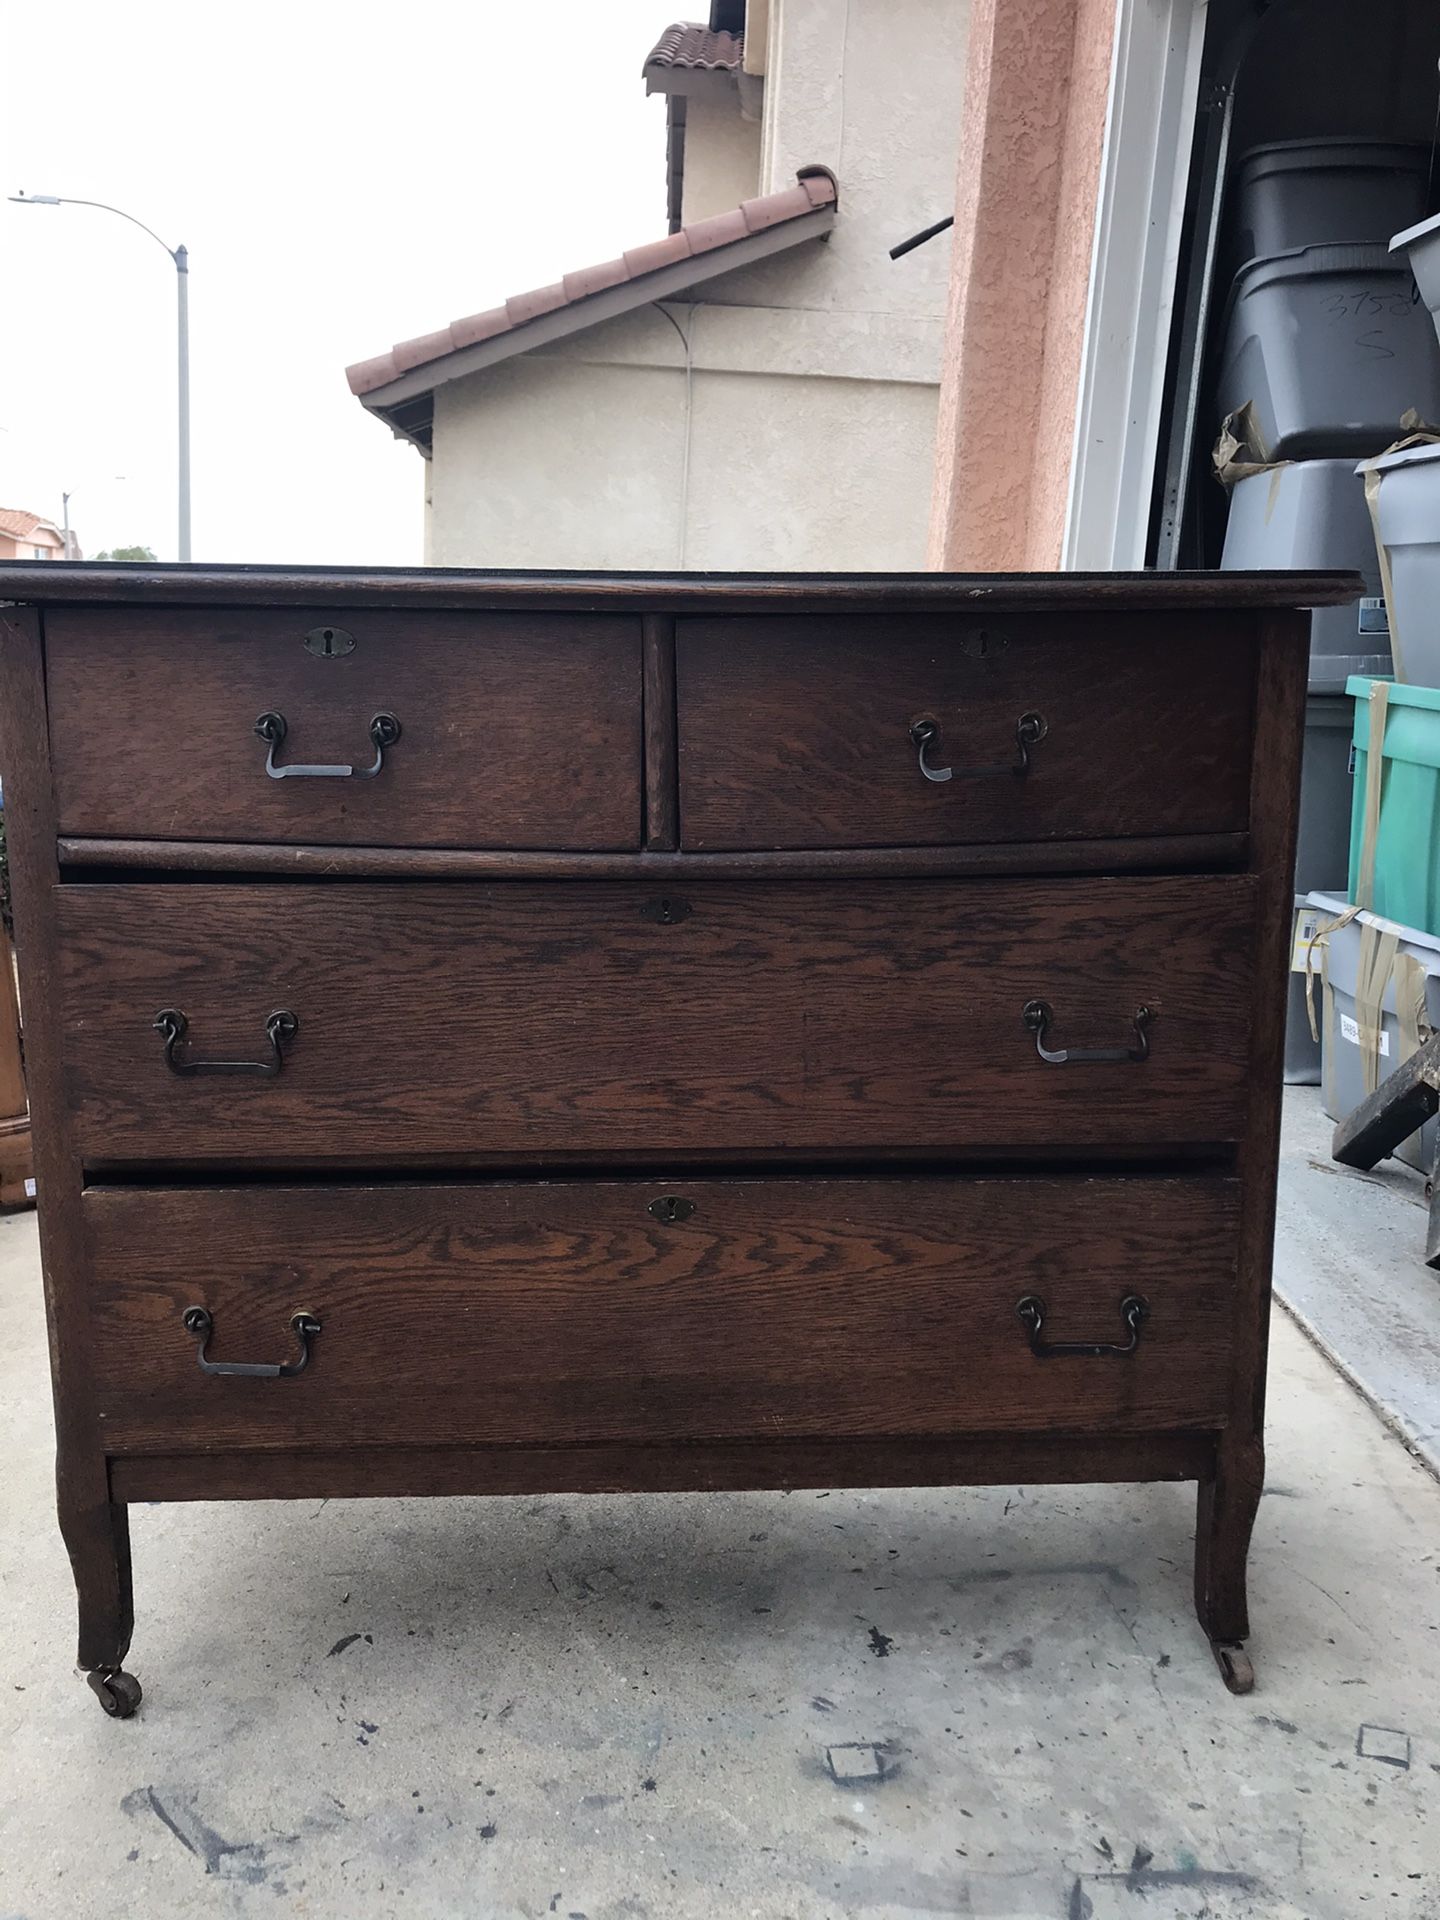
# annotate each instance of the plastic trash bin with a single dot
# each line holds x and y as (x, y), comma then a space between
(1331, 347)
(1322, 853)
(1401, 968)
(1297, 193)
(1405, 828)
(1421, 246)
(1407, 513)
(1310, 516)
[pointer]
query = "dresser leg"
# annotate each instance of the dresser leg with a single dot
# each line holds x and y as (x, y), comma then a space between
(97, 1538)
(1225, 1516)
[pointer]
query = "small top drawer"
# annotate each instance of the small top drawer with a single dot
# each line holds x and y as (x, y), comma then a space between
(513, 730)
(810, 731)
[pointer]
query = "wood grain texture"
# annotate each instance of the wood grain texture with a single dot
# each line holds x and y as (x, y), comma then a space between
(667, 593)
(565, 1313)
(1228, 1503)
(661, 796)
(516, 731)
(1009, 1459)
(523, 1017)
(1168, 853)
(94, 1527)
(795, 732)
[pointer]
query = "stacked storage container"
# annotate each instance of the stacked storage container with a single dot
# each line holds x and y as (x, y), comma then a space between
(1325, 346)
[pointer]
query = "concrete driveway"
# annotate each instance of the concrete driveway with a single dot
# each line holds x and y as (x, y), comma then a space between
(651, 1708)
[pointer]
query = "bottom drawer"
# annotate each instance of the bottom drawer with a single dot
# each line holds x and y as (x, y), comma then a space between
(574, 1312)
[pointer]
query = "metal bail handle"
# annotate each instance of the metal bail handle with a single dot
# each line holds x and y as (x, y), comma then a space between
(271, 728)
(280, 1029)
(1036, 1015)
(1134, 1312)
(1029, 728)
(200, 1324)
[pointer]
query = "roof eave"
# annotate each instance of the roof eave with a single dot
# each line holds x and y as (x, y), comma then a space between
(394, 403)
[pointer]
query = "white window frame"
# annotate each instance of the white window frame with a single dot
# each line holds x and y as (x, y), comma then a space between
(1144, 174)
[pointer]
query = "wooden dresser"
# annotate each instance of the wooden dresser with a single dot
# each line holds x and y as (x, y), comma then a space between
(504, 1033)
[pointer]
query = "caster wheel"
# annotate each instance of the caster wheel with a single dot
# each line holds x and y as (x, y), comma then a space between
(1236, 1668)
(118, 1692)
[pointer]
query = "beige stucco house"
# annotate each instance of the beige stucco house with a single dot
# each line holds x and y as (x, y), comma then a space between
(759, 388)
(756, 387)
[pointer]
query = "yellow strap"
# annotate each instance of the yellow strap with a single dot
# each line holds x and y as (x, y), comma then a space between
(1378, 947)
(1410, 1011)
(1374, 772)
(1321, 939)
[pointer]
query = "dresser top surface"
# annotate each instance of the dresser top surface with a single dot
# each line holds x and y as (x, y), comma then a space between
(467, 589)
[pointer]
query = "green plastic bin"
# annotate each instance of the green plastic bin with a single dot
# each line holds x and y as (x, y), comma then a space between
(1407, 830)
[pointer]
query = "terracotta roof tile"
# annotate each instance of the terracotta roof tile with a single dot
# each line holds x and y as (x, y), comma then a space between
(816, 188)
(529, 306)
(609, 273)
(480, 326)
(19, 523)
(657, 253)
(771, 208)
(694, 47)
(429, 346)
(717, 231)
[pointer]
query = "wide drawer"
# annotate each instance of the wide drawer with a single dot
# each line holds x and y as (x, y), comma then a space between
(520, 1018)
(515, 731)
(575, 1312)
(797, 731)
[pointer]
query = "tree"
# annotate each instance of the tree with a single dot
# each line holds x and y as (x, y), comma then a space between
(126, 553)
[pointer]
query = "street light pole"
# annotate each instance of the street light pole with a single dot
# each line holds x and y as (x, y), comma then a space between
(180, 257)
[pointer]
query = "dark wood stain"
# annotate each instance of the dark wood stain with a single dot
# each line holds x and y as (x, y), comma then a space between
(651, 899)
(524, 1017)
(325, 588)
(795, 732)
(565, 1312)
(516, 731)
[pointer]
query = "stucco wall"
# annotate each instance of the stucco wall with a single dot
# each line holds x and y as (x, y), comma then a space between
(1032, 136)
(808, 436)
(722, 157)
(564, 462)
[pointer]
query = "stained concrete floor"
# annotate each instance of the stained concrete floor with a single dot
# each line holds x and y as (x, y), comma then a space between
(1349, 1264)
(814, 1706)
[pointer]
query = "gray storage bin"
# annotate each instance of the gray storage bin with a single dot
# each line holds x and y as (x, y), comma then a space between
(1421, 247)
(1407, 508)
(1311, 516)
(1322, 852)
(1330, 347)
(1297, 193)
(1343, 1078)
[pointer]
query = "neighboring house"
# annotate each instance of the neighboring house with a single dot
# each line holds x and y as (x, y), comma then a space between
(758, 386)
(29, 536)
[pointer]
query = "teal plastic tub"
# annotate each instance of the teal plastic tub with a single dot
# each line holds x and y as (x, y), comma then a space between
(1407, 831)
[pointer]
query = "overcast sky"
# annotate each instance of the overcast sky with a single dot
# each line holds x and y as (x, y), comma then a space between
(344, 176)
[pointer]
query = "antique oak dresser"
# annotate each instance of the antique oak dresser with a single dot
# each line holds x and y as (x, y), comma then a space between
(517, 1033)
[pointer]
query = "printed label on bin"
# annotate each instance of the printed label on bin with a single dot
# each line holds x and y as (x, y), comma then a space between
(29, 1189)
(1350, 1030)
(1308, 921)
(1372, 617)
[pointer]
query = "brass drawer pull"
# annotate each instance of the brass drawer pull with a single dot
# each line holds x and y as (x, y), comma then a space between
(1029, 728)
(1038, 1014)
(200, 1323)
(384, 732)
(1133, 1311)
(280, 1029)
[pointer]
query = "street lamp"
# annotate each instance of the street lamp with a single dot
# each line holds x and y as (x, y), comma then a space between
(181, 258)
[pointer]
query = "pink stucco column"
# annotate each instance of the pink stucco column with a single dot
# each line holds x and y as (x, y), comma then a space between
(1036, 91)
